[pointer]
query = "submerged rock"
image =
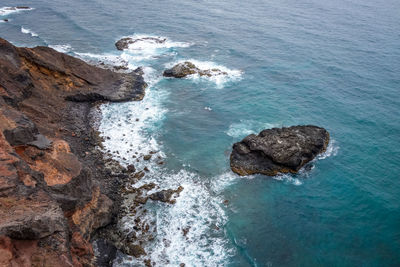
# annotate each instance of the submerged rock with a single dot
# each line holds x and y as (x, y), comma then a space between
(278, 150)
(187, 68)
(125, 42)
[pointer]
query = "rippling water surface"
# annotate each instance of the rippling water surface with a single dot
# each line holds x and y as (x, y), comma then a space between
(335, 64)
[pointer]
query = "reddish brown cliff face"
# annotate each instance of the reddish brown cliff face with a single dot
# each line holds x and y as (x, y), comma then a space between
(52, 196)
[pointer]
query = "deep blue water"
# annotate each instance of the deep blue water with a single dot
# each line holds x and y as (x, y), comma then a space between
(335, 64)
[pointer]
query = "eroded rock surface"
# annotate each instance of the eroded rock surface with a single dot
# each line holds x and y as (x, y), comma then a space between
(278, 150)
(54, 190)
(187, 68)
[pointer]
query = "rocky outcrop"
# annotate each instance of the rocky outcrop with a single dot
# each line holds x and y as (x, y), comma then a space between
(54, 191)
(125, 42)
(187, 68)
(166, 195)
(278, 150)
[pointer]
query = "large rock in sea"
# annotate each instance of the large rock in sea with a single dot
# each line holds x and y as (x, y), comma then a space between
(187, 68)
(278, 150)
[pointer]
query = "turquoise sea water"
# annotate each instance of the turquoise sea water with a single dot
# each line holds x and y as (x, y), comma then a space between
(335, 64)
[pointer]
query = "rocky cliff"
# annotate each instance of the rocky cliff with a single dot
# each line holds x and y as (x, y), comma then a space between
(54, 189)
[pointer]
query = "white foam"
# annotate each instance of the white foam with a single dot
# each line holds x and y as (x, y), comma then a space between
(62, 48)
(196, 209)
(208, 108)
(219, 78)
(107, 58)
(28, 31)
(288, 178)
(145, 44)
(5, 11)
(331, 150)
(246, 127)
(128, 124)
(223, 181)
(146, 48)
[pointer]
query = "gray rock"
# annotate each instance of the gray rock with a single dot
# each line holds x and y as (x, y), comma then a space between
(278, 150)
(187, 68)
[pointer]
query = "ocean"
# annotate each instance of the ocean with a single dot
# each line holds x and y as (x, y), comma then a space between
(334, 64)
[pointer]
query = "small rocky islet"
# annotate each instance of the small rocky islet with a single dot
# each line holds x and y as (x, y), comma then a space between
(125, 42)
(278, 150)
(187, 68)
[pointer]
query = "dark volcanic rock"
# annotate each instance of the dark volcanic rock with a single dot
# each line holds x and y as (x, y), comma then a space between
(278, 150)
(135, 250)
(166, 195)
(187, 68)
(105, 252)
(125, 42)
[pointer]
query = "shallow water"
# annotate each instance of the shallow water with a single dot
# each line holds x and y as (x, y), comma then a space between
(333, 64)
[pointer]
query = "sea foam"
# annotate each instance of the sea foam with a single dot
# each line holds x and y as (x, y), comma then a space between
(5, 11)
(131, 131)
(245, 127)
(28, 31)
(66, 48)
(146, 48)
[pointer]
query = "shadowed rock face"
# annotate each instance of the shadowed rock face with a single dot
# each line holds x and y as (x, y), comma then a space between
(54, 193)
(278, 150)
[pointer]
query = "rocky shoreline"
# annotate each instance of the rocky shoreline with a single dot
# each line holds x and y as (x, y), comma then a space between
(63, 198)
(58, 191)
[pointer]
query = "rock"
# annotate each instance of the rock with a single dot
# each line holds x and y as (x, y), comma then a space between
(181, 70)
(187, 68)
(135, 250)
(139, 175)
(124, 43)
(105, 252)
(30, 219)
(278, 150)
(166, 195)
(147, 157)
(185, 230)
(131, 168)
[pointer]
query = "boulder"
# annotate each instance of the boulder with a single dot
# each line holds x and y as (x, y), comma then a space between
(187, 68)
(278, 150)
(135, 250)
(166, 195)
